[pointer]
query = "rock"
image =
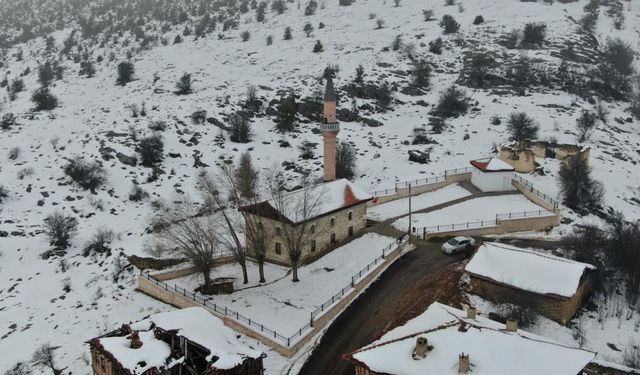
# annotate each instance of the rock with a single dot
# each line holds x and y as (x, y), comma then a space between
(371, 122)
(4, 234)
(412, 90)
(347, 115)
(131, 161)
(173, 155)
(40, 202)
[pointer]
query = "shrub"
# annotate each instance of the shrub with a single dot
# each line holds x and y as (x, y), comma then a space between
(345, 3)
(478, 20)
(318, 47)
(184, 86)
(435, 46)
(619, 55)
(240, 128)
(125, 73)
(345, 161)
(428, 14)
(100, 241)
(287, 33)
(481, 63)
(199, 117)
(269, 40)
(438, 125)
(379, 23)
(245, 35)
(14, 153)
(308, 29)
(137, 193)
(420, 136)
(421, 73)
(631, 354)
(533, 34)
(4, 193)
(44, 100)
(397, 43)
(279, 6)
(359, 74)
(8, 120)
(585, 125)
(88, 175)
(60, 229)
(522, 127)
(449, 24)
(578, 188)
(151, 150)
(311, 7)
(307, 150)
(452, 103)
(511, 39)
(17, 85)
(45, 74)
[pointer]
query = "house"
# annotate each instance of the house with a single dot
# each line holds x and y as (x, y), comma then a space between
(187, 341)
(444, 340)
(553, 286)
(492, 174)
(339, 213)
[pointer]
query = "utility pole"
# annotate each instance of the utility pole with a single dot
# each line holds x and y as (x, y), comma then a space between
(409, 211)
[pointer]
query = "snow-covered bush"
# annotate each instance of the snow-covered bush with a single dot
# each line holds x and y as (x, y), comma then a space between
(449, 24)
(89, 175)
(452, 102)
(60, 229)
(151, 150)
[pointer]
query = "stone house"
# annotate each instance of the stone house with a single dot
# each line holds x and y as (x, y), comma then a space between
(187, 341)
(553, 286)
(445, 340)
(340, 215)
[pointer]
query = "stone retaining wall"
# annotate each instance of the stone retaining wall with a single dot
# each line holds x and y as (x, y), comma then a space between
(539, 223)
(419, 189)
(526, 191)
(176, 274)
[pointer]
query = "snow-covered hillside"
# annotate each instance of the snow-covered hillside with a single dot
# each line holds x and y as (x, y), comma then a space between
(94, 120)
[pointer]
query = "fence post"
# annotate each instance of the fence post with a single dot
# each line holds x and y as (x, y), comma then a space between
(311, 321)
(424, 233)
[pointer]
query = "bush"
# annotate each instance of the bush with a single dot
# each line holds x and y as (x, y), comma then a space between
(14, 153)
(435, 46)
(151, 150)
(359, 74)
(8, 120)
(269, 40)
(511, 39)
(307, 150)
(420, 137)
(44, 100)
(379, 23)
(533, 34)
(308, 29)
(428, 14)
(478, 20)
(279, 6)
(199, 117)
(125, 73)
(245, 35)
(449, 24)
(287, 110)
(87, 69)
(480, 65)
(623, 249)
(60, 229)
(17, 85)
(137, 193)
(311, 7)
(521, 127)
(318, 47)
(578, 188)
(452, 103)
(287, 33)
(88, 175)
(240, 128)
(631, 354)
(345, 161)
(184, 86)
(619, 55)
(4, 193)
(585, 125)
(100, 241)
(345, 3)
(421, 73)
(45, 74)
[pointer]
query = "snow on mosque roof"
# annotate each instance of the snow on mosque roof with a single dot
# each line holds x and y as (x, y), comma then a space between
(194, 324)
(330, 196)
(492, 165)
(491, 349)
(528, 270)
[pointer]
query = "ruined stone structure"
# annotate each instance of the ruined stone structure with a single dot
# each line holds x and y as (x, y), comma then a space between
(522, 157)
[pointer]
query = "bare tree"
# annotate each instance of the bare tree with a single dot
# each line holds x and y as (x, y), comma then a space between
(522, 127)
(60, 229)
(213, 192)
(585, 125)
(44, 357)
(181, 230)
(296, 211)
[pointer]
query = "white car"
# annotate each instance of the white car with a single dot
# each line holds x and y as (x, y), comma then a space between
(458, 244)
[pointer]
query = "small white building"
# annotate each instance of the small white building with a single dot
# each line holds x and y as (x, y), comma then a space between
(492, 174)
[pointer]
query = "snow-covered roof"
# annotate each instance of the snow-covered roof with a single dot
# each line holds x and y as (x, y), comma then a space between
(492, 165)
(529, 270)
(194, 324)
(331, 196)
(491, 349)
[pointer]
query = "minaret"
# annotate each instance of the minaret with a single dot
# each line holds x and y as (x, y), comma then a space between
(329, 130)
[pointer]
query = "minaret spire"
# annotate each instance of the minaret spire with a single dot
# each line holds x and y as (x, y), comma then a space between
(329, 129)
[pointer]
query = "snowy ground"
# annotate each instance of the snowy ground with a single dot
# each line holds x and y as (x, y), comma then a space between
(400, 207)
(94, 116)
(478, 209)
(285, 306)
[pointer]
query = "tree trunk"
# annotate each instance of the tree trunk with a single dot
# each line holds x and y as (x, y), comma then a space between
(207, 277)
(261, 269)
(294, 266)
(243, 264)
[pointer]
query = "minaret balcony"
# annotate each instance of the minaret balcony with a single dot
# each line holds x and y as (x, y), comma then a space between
(332, 128)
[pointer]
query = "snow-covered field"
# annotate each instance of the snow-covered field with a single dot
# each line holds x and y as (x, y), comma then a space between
(94, 120)
(400, 207)
(474, 210)
(285, 306)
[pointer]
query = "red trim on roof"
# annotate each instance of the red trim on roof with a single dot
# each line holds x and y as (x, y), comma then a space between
(480, 165)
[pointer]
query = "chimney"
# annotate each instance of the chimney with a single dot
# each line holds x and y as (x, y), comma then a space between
(471, 312)
(512, 325)
(421, 349)
(135, 340)
(463, 364)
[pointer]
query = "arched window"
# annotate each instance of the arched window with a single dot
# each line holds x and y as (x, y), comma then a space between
(278, 231)
(333, 221)
(350, 215)
(312, 229)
